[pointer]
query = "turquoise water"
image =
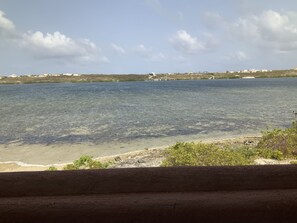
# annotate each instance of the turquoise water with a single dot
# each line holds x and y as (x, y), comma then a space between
(127, 111)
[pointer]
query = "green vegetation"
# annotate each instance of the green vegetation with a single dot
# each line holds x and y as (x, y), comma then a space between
(52, 168)
(86, 78)
(83, 163)
(277, 144)
(86, 162)
(284, 141)
(201, 154)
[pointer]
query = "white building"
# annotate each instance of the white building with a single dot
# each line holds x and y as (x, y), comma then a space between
(248, 77)
(253, 70)
(68, 74)
(244, 71)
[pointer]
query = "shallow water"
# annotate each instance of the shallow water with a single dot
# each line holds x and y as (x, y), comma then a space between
(131, 112)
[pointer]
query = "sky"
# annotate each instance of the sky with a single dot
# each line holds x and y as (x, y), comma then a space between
(142, 36)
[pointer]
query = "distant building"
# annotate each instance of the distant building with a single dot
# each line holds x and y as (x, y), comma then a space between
(253, 70)
(248, 77)
(67, 74)
(244, 71)
(13, 76)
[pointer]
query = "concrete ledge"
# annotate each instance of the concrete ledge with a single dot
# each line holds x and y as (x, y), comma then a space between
(188, 194)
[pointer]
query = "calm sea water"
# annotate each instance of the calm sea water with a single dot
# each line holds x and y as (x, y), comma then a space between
(122, 112)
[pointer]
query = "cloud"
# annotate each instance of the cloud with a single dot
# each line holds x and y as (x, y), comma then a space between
(118, 49)
(182, 41)
(59, 46)
(148, 53)
(7, 28)
(185, 43)
(270, 29)
(51, 45)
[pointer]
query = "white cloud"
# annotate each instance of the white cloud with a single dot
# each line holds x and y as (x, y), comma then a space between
(59, 46)
(7, 28)
(182, 41)
(271, 29)
(148, 53)
(118, 49)
(51, 45)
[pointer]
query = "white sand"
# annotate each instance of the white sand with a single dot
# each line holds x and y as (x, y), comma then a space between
(37, 157)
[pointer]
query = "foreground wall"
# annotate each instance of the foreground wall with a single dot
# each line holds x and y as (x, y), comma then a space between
(186, 194)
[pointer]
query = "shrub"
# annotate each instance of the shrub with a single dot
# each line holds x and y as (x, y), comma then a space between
(270, 154)
(52, 168)
(253, 153)
(86, 162)
(247, 152)
(201, 154)
(281, 140)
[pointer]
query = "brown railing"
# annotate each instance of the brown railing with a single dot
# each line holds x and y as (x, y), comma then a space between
(183, 194)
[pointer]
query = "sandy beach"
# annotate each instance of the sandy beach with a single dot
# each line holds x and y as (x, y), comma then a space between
(40, 158)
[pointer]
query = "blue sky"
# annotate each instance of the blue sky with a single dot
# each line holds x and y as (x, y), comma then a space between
(141, 36)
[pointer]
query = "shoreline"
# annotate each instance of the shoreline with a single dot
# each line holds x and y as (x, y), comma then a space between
(146, 157)
(89, 78)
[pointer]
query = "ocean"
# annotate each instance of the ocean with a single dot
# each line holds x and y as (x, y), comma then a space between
(152, 112)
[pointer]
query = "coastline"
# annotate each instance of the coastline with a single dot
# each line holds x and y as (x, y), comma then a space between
(145, 157)
(89, 78)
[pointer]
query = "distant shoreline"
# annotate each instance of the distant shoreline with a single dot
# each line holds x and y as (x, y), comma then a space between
(89, 78)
